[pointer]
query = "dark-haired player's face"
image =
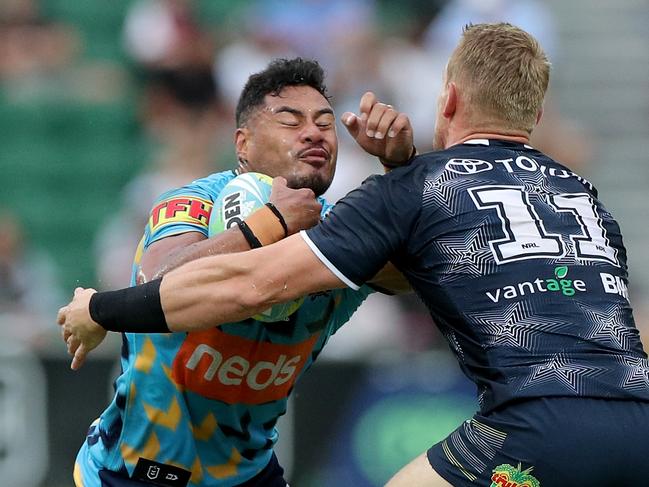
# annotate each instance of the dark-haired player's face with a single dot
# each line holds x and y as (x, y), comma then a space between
(294, 136)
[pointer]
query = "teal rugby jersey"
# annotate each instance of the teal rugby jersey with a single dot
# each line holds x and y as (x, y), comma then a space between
(207, 401)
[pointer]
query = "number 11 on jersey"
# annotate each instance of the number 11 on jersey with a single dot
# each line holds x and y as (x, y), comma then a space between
(525, 234)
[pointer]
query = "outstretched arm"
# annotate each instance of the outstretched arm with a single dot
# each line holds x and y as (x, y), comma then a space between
(205, 293)
(298, 208)
(223, 289)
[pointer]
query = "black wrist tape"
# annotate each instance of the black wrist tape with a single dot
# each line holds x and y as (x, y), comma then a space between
(251, 238)
(279, 216)
(392, 165)
(133, 310)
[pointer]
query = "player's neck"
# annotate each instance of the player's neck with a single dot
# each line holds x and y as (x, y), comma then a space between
(460, 136)
(512, 137)
(523, 139)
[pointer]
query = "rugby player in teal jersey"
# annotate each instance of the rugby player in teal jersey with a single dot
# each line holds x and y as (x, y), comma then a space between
(200, 408)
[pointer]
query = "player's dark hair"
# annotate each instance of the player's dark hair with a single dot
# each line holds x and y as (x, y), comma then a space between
(279, 74)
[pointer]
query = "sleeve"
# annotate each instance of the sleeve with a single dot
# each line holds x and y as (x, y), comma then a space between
(367, 227)
(182, 210)
(349, 301)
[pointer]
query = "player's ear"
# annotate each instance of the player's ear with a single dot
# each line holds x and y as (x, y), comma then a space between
(539, 116)
(450, 102)
(241, 136)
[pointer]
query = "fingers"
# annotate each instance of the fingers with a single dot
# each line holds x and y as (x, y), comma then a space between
(60, 316)
(379, 118)
(352, 123)
(380, 121)
(72, 343)
(368, 100)
(402, 122)
(65, 333)
(279, 181)
(79, 358)
(280, 190)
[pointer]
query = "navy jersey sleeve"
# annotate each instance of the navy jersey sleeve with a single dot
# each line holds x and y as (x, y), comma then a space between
(367, 227)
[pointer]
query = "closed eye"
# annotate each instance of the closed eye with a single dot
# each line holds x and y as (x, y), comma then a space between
(288, 119)
(325, 120)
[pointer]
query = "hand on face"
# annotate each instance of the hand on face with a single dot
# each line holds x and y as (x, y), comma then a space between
(381, 130)
(299, 207)
(80, 333)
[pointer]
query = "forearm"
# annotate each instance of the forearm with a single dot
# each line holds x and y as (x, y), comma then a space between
(193, 298)
(230, 241)
(215, 290)
(211, 291)
(224, 289)
(263, 227)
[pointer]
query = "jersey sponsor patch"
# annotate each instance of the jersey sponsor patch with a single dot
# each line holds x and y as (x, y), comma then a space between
(237, 370)
(188, 210)
(160, 474)
(468, 166)
(507, 476)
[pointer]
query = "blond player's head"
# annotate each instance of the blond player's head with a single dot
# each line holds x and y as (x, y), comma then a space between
(501, 74)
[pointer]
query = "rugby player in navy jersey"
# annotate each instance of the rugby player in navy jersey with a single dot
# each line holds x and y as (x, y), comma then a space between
(518, 261)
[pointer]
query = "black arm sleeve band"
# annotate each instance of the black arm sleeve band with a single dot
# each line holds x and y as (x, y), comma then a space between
(251, 238)
(134, 309)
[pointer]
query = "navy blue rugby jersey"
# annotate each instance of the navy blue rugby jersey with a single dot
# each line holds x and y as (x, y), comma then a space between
(520, 265)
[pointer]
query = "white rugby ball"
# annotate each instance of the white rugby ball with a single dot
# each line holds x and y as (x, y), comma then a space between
(238, 200)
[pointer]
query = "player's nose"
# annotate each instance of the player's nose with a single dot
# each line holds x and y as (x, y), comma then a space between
(311, 133)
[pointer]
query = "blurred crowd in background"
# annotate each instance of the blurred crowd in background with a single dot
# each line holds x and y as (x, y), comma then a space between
(174, 69)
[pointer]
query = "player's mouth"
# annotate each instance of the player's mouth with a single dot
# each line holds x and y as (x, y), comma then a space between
(316, 156)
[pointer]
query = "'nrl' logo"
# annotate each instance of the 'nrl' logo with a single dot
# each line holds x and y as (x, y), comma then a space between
(508, 476)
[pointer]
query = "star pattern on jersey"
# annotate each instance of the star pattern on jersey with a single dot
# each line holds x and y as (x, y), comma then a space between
(636, 373)
(515, 325)
(608, 326)
(466, 255)
(443, 193)
(535, 182)
(560, 370)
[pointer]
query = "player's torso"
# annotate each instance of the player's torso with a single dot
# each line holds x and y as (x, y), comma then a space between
(208, 401)
(525, 272)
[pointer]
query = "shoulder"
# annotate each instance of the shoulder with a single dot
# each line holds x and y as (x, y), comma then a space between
(209, 186)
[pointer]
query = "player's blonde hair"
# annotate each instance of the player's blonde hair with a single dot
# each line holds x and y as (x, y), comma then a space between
(503, 72)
